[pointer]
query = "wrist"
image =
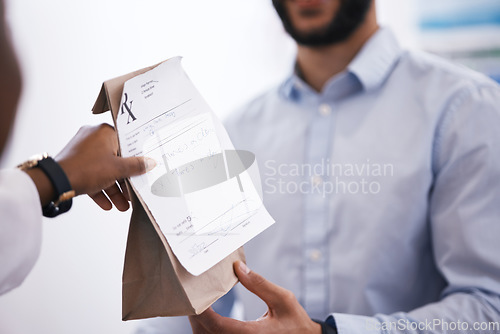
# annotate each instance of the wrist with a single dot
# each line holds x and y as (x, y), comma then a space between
(45, 189)
(68, 169)
(326, 327)
(53, 186)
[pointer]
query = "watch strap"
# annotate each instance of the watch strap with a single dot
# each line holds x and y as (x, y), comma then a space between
(61, 185)
(326, 328)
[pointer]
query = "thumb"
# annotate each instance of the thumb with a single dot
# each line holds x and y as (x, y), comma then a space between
(272, 294)
(136, 166)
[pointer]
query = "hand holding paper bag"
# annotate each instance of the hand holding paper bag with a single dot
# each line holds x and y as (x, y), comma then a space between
(194, 211)
(97, 148)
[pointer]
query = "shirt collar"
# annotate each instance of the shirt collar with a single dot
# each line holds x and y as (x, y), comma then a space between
(371, 66)
(376, 59)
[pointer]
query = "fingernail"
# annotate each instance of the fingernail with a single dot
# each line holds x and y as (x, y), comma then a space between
(149, 163)
(244, 268)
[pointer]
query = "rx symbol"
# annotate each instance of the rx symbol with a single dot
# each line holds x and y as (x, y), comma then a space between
(128, 108)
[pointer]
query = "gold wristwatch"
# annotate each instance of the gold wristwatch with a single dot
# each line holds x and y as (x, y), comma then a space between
(59, 181)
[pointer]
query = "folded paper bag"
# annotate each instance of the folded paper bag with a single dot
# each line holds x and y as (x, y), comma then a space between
(154, 282)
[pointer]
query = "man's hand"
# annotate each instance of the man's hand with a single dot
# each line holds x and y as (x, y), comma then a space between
(284, 314)
(91, 162)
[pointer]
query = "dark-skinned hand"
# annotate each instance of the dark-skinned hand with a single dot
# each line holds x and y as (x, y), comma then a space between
(91, 162)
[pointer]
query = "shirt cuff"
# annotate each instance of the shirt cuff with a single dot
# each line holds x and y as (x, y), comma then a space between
(20, 227)
(356, 324)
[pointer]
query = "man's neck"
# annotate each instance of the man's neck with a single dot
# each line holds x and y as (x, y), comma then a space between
(318, 64)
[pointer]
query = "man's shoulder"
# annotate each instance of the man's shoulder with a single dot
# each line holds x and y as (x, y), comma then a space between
(426, 66)
(255, 109)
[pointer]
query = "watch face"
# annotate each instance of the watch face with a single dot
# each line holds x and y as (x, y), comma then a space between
(32, 161)
(38, 157)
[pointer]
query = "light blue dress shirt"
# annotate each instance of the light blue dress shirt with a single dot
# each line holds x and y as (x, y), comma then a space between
(385, 188)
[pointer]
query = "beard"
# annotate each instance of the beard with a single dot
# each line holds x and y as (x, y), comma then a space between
(350, 15)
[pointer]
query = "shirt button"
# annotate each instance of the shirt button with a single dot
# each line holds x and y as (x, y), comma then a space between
(316, 180)
(315, 255)
(325, 109)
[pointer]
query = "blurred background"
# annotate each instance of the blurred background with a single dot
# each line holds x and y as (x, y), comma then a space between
(464, 31)
(232, 50)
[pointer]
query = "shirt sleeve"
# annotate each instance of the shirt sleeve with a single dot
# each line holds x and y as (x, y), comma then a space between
(181, 325)
(164, 325)
(465, 225)
(20, 228)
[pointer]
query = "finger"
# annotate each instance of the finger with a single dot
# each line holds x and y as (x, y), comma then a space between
(135, 166)
(124, 189)
(264, 316)
(273, 295)
(116, 196)
(102, 200)
(211, 322)
(197, 325)
(205, 322)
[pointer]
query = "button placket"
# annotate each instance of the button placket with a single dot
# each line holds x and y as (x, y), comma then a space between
(316, 214)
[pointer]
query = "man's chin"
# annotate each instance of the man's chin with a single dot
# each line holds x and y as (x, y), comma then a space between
(311, 37)
(310, 13)
(350, 15)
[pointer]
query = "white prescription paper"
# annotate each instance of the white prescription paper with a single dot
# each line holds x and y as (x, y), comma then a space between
(205, 196)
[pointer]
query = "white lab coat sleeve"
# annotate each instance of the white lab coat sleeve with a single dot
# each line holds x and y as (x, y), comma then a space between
(20, 228)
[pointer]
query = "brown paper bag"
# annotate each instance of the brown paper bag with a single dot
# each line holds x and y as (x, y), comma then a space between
(154, 281)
